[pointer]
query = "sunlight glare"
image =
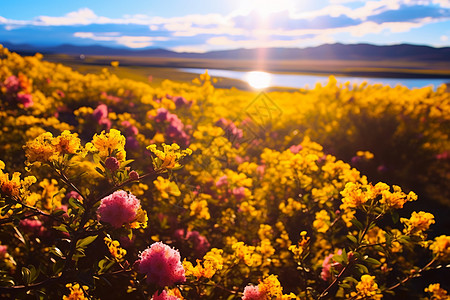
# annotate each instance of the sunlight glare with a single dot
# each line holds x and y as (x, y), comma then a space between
(266, 7)
(258, 79)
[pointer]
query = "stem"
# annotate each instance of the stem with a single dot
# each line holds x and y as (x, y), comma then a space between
(410, 276)
(335, 281)
(364, 232)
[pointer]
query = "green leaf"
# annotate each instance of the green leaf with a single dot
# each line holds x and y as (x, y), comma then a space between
(5, 209)
(338, 258)
(55, 250)
(395, 217)
(104, 265)
(96, 158)
(58, 212)
(351, 279)
(58, 266)
(76, 204)
(357, 224)
(362, 268)
(34, 273)
(352, 238)
(127, 162)
(373, 261)
(344, 285)
(26, 275)
(7, 282)
(100, 171)
(83, 243)
(344, 256)
(62, 228)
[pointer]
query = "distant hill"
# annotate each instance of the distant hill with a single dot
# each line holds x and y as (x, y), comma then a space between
(352, 52)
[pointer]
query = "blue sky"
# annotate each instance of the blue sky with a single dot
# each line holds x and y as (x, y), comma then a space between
(200, 25)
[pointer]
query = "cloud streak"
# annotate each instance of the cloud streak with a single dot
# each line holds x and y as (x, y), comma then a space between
(204, 32)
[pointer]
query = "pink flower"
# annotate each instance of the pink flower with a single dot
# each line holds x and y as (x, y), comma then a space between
(132, 143)
(164, 296)
(32, 226)
(112, 164)
(162, 114)
(326, 266)
(295, 148)
(162, 265)
(239, 193)
(252, 292)
(25, 99)
(118, 208)
(222, 181)
(181, 101)
(12, 84)
(260, 170)
(101, 112)
(73, 194)
(133, 175)
(3, 251)
(198, 241)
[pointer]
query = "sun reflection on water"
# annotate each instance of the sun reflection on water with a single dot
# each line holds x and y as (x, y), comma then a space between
(258, 79)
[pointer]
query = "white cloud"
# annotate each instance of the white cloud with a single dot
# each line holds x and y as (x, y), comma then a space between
(444, 38)
(83, 16)
(212, 31)
(225, 42)
(193, 49)
(125, 40)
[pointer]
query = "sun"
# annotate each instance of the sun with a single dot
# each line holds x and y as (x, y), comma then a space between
(266, 7)
(258, 79)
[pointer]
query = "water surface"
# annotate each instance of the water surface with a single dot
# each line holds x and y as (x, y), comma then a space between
(304, 81)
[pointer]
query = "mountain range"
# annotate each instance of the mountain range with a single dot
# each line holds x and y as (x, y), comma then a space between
(343, 52)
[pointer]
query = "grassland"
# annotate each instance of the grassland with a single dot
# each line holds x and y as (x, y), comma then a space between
(157, 69)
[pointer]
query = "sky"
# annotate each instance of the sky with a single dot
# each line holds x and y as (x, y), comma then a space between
(206, 25)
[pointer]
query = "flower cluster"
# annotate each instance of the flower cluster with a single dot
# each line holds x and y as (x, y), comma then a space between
(174, 126)
(258, 201)
(367, 288)
(108, 144)
(114, 249)
(169, 157)
(77, 292)
(161, 264)
(119, 208)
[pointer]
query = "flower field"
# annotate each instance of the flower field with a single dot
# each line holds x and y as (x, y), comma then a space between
(116, 189)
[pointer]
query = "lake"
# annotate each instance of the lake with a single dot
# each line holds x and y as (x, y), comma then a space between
(302, 80)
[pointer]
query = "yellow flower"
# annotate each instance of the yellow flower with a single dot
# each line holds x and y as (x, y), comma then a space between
(41, 149)
(354, 195)
(166, 187)
(115, 63)
(437, 293)
(199, 208)
(367, 288)
(246, 254)
(365, 154)
(212, 262)
(76, 292)
(302, 245)
(397, 198)
(67, 143)
(271, 287)
(322, 221)
(108, 144)
(169, 157)
(141, 219)
(441, 247)
(15, 187)
(418, 222)
(114, 249)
